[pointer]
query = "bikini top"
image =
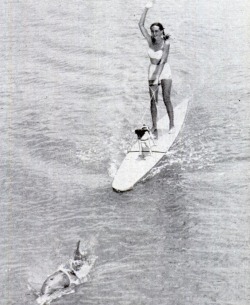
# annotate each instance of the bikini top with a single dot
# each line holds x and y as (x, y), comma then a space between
(155, 54)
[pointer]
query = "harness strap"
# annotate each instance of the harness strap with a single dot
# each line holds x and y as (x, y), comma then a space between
(73, 278)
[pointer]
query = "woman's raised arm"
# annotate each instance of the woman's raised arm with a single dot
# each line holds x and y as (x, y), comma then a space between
(142, 27)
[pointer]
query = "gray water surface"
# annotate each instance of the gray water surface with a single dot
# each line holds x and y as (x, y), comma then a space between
(73, 80)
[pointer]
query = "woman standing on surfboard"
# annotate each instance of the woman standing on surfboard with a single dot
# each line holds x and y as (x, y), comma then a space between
(159, 72)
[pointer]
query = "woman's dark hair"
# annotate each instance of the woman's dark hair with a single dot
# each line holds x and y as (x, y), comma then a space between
(161, 28)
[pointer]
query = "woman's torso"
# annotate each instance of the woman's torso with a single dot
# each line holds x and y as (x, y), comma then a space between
(155, 53)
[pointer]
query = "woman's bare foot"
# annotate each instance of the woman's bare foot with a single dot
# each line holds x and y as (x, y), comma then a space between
(171, 129)
(154, 132)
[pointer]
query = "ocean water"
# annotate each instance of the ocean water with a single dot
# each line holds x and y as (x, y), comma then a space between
(73, 87)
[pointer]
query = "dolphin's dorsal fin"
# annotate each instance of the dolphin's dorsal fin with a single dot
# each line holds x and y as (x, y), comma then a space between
(77, 254)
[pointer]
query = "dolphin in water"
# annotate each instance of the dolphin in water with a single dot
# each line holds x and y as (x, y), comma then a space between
(67, 277)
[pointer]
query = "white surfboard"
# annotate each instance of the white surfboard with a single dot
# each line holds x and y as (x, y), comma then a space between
(133, 167)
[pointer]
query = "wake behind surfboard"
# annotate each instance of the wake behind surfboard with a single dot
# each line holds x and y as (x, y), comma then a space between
(134, 168)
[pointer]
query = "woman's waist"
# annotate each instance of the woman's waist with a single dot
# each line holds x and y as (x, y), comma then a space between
(157, 64)
(155, 61)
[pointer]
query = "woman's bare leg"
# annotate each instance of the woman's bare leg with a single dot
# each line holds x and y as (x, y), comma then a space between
(153, 90)
(166, 92)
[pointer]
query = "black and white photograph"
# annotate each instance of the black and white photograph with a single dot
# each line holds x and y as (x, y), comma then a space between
(125, 152)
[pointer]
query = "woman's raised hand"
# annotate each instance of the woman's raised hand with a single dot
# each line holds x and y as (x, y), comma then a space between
(150, 3)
